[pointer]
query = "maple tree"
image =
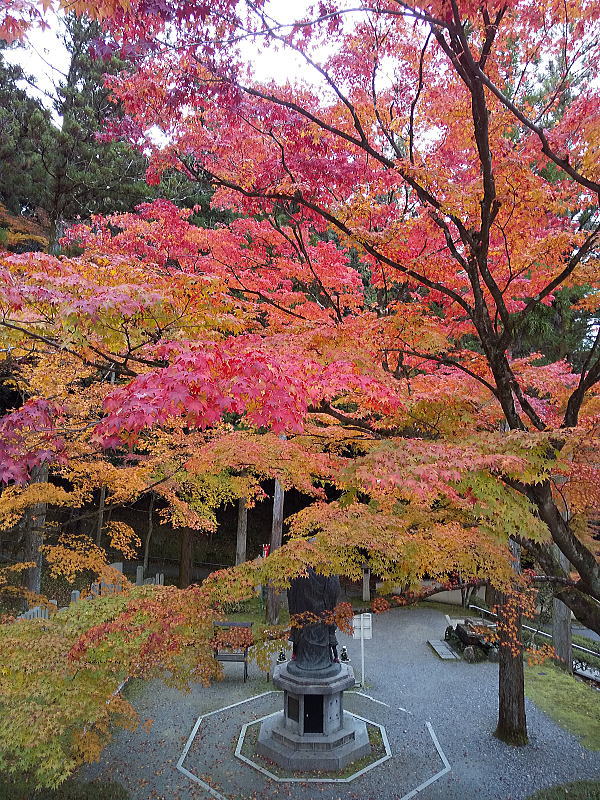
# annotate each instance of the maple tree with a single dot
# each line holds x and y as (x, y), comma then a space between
(400, 218)
(435, 172)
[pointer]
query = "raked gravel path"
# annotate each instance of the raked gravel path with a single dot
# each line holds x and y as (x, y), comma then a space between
(459, 700)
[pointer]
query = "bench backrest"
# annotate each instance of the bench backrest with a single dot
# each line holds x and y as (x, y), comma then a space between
(242, 648)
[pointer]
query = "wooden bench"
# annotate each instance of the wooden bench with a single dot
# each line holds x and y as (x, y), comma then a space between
(233, 653)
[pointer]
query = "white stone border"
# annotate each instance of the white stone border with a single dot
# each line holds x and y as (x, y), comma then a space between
(192, 736)
(437, 775)
(273, 777)
(218, 796)
(362, 694)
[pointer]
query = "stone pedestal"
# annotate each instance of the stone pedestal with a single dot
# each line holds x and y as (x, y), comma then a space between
(313, 732)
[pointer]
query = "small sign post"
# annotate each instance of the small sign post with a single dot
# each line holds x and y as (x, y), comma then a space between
(362, 629)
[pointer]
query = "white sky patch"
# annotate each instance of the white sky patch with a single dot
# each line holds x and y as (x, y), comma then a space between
(45, 58)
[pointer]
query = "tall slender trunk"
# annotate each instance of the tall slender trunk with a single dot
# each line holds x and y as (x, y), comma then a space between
(273, 596)
(57, 229)
(149, 534)
(100, 520)
(366, 584)
(561, 624)
(242, 531)
(33, 523)
(186, 558)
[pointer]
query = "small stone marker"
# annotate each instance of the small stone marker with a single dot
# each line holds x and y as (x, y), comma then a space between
(442, 650)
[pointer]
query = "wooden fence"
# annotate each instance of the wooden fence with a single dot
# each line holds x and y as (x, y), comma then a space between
(158, 579)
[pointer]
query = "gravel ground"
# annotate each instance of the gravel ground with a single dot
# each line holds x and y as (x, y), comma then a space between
(458, 699)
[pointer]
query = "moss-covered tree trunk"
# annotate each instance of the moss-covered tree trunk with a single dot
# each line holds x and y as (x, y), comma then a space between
(561, 623)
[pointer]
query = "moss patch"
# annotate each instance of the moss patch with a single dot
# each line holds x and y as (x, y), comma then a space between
(20, 788)
(581, 790)
(377, 751)
(253, 611)
(568, 701)
(133, 689)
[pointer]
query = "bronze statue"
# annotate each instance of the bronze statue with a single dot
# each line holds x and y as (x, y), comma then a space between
(314, 645)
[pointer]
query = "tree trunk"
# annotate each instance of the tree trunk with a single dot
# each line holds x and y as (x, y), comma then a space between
(33, 524)
(100, 522)
(587, 610)
(366, 585)
(186, 558)
(242, 530)
(492, 596)
(273, 596)
(149, 534)
(57, 229)
(512, 722)
(561, 625)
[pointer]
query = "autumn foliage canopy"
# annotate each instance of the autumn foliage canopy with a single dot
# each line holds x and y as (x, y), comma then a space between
(400, 212)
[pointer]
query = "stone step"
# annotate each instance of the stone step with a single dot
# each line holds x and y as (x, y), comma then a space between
(442, 650)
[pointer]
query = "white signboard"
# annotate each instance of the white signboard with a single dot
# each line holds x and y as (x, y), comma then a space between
(362, 629)
(362, 626)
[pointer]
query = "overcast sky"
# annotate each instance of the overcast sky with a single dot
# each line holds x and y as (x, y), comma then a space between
(44, 56)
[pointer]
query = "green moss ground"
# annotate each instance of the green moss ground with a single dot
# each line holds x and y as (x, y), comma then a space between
(253, 611)
(567, 700)
(19, 788)
(581, 790)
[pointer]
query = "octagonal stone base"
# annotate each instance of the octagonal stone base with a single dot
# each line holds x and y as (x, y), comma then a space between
(313, 751)
(313, 733)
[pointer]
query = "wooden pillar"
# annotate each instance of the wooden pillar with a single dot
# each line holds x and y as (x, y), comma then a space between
(242, 532)
(273, 596)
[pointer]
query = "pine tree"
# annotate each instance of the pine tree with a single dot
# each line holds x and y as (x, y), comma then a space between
(62, 166)
(87, 175)
(24, 125)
